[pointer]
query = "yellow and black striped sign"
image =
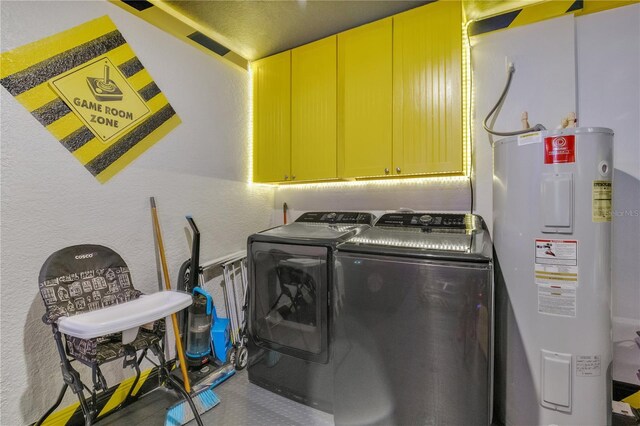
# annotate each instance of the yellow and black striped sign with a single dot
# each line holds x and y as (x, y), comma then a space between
(525, 16)
(540, 11)
(27, 71)
(108, 402)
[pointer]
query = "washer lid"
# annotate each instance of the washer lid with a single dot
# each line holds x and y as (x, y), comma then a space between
(432, 235)
(312, 231)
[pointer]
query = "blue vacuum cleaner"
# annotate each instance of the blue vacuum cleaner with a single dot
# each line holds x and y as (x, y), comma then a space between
(206, 337)
(210, 356)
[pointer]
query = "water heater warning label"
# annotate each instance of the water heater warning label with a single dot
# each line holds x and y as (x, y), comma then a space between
(557, 252)
(556, 262)
(557, 300)
(560, 149)
(556, 274)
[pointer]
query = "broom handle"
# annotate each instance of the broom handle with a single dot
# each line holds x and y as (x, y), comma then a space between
(284, 213)
(174, 318)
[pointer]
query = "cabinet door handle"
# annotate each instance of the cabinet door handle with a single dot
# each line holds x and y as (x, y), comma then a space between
(293, 177)
(397, 169)
(286, 177)
(386, 171)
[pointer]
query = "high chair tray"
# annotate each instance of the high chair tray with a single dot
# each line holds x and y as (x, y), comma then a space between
(124, 316)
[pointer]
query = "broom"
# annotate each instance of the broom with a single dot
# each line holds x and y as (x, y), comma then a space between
(203, 400)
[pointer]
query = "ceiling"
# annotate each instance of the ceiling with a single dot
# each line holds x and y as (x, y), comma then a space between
(255, 29)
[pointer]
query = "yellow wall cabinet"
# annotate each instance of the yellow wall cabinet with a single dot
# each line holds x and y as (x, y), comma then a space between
(294, 114)
(272, 118)
(427, 89)
(313, 110)
(365, 125)
(383, 99)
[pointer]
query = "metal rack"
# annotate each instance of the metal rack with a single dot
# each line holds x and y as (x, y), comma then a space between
(234, 284)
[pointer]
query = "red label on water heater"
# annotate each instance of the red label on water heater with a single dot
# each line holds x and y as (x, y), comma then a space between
(560, 149)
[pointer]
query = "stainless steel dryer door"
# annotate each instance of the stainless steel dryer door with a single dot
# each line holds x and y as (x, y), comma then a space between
(289, 299)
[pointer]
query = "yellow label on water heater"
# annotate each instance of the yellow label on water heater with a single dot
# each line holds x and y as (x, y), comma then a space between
(601, 201)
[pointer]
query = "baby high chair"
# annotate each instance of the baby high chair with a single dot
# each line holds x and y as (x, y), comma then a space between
(90, 299)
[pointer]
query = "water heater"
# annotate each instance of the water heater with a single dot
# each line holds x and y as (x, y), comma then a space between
(552, 232)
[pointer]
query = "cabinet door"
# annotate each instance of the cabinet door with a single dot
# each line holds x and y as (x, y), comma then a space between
(313, 110)
(365, 101)
(272, 118)
(427, 73)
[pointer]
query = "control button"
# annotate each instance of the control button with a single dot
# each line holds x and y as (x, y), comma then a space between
(426, 219)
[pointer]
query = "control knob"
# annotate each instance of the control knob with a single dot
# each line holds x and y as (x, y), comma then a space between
(426, 219)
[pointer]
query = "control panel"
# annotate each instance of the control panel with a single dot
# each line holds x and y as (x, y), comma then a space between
(427, 221)
(337, 217)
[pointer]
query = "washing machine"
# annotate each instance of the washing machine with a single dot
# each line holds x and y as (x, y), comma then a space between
(291, 273)
(413, 322)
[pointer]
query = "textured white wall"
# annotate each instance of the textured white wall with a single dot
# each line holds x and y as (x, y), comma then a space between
(50, 201)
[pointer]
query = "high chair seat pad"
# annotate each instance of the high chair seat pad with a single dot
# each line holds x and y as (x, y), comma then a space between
(104, 349)
(124, 316)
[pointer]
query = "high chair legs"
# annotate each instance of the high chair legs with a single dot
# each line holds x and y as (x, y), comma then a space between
(86, 411)
(72, 380)
(55, 405)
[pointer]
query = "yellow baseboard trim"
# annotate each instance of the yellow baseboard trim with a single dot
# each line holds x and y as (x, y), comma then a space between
(633, 400)
(62, 416)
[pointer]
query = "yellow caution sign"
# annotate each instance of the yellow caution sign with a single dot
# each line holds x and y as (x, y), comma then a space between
(101, 97)
(92, 93)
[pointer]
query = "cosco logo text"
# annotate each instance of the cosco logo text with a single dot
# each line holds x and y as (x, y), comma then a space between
(85, 256)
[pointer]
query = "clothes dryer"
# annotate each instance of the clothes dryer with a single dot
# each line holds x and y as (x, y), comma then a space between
(291, 273)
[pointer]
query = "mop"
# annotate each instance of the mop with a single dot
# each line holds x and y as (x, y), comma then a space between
(205, 399)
